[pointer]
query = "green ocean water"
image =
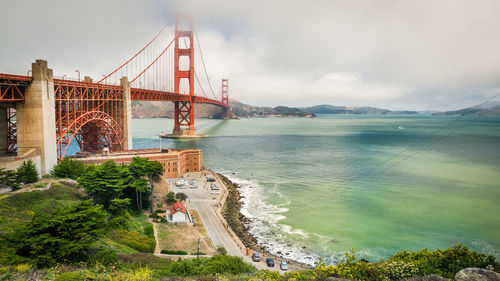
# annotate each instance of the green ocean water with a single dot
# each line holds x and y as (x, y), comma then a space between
(378, 184)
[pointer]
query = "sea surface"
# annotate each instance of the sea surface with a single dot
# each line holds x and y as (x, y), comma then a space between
(317, 187)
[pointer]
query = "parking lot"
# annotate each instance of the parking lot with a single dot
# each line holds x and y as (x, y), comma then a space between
(205, 196)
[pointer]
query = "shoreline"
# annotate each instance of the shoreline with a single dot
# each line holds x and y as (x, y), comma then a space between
(231, 212)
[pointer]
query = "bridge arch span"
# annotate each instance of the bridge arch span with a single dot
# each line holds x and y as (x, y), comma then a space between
(91, 130)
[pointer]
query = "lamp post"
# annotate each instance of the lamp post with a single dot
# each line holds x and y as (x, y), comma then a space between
(78, 74)
(64, 76)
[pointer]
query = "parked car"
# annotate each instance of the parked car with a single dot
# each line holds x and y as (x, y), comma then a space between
(270, 262)
(255, 257)
(284, 265)
(210, 179)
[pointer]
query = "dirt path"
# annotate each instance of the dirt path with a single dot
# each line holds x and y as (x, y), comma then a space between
(157, 247)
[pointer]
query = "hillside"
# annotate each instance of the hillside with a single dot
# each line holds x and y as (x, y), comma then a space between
(485, 109)
(158, 109)
(330, 109)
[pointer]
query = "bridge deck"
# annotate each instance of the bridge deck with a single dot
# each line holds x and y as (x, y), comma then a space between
(12, 90)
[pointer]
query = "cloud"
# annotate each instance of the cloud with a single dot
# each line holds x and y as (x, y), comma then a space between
(388, 53)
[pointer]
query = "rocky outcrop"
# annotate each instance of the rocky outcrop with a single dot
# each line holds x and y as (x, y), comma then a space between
(477, 274)
(69, 182)
(233, 216)
(432, 277)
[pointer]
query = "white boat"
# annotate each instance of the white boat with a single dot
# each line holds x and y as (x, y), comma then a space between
(401, 128)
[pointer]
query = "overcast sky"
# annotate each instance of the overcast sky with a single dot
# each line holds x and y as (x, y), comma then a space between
(396, 54)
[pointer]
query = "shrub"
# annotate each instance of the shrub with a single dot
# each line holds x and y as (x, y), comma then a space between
(69, 276)
(181, 196)
(196, 253)
(65, 235)
(118, 222)
(68, 168)
(27, 172)
(145, 260)
(221, 251)
(214, 265)
(134, 240)
(170, 197)
(149, 231)
(445, 263)
(8, 179)
(169, 252)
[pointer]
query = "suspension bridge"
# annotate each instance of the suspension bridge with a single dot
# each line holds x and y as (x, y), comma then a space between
(41, 115)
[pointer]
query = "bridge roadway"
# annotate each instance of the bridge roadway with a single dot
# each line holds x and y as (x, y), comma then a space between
(12, 87)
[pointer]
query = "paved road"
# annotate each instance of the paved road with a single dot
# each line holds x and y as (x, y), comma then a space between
(201, 200)
(204, 202)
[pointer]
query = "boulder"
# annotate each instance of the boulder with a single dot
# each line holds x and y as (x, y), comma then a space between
(69, 182)
(477, 274)
(432, 277)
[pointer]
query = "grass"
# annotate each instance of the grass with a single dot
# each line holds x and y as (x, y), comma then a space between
(183, 237)
(115, 246)
(139, 222)
(17, 209)
(199, 223)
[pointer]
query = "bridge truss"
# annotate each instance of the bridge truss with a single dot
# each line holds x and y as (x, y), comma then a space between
(92, 113)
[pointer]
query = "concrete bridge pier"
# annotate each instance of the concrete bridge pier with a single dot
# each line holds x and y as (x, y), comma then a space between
(127, 114)
(36, 120)
(3, 131)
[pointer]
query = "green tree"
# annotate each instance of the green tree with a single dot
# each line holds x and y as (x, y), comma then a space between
(221, 251)
(170, 197)
(105, 184)
(141, 168)
(181, 196)
(68, 168)
(27, 172)
(65, 235)
(8, 179)
(144, 167)
(136, 186)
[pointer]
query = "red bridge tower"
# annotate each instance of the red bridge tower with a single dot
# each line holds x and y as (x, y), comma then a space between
(184, 110)
(225, 99)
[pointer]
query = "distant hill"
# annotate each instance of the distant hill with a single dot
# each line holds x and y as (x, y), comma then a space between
(157, 109)
(484, 109)
(330, 109)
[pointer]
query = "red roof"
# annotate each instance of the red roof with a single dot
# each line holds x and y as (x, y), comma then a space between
(177, 207)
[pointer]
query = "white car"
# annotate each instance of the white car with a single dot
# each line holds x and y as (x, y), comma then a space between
(284, 266)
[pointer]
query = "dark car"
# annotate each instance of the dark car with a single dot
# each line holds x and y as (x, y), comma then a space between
(255, 257)
(270, 262)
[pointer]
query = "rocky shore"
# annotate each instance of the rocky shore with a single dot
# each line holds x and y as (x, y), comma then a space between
(232, 215)
(238, 222)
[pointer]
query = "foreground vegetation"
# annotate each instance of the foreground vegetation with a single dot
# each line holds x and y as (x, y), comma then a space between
(97, 231)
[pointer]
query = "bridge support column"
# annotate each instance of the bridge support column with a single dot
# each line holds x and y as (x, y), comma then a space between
(36, 120)
(184, 110)
(127, 113)
(3, 131)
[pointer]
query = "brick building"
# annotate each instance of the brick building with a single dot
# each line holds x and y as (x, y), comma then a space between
(176, 162)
